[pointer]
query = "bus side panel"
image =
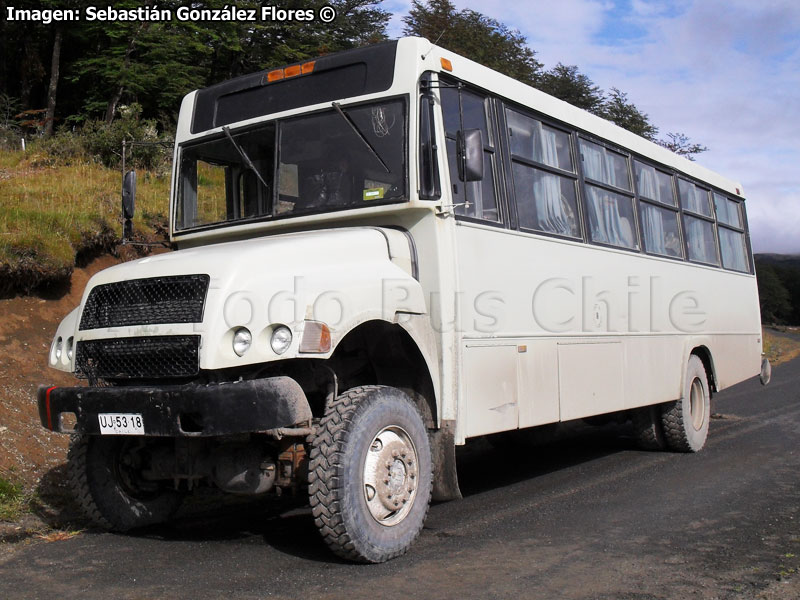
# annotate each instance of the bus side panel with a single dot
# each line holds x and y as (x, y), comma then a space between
(590, 378)
(735, 357)
(490, 377)
(538, 382)
(646, 314)
(653, 369)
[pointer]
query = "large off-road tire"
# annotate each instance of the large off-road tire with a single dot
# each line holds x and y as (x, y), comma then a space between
(686, 421)
(370, 474)
(647, 428)
(105, 476)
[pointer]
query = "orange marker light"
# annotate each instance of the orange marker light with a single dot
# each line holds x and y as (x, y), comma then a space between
(308, 67)
(292, 71)
(276, 75)
(316, 338)
(446, 64)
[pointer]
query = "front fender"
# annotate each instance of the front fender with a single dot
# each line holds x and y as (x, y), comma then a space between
(342, 282)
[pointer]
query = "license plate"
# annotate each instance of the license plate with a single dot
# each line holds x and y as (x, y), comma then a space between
(121, 424)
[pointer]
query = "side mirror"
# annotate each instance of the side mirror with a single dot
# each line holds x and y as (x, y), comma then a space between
(469, 154)
(129, 195)
(128, 203)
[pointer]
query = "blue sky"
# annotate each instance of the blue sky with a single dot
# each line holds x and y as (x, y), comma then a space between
(725, 73)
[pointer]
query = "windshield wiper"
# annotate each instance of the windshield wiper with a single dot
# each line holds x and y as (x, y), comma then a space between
(244, 156)
(360, 135)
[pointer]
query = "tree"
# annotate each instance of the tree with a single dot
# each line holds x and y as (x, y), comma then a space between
(773, 295)
(618, 109)
(152, 63)
(680, 144)
(570, 85)
(475, 36)
(55, 64)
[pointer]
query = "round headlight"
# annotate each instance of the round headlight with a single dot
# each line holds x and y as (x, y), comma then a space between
(59, 343)
(242, 340)
(281, 339)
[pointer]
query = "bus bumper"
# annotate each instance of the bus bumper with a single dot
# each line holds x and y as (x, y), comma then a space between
(189, 410)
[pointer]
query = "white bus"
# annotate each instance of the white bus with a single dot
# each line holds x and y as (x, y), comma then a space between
(383, 253)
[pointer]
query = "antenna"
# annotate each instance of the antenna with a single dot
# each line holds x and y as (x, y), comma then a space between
(424, 56)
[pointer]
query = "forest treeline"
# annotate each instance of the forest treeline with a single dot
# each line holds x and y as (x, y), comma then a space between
(66, 76)
(779, 288)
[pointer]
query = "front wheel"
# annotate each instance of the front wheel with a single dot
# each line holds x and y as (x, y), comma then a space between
(686, 421)
(106, 477)
(370, 475)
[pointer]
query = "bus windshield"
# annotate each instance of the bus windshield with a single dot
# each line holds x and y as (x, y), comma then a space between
(344, 158)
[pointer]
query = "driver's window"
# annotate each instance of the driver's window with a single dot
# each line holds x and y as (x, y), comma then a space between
(476, 199)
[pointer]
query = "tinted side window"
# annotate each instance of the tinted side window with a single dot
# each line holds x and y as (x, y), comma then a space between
(732, 240)
(653, 184)
(543, 175)
(694, 198)
(701, 241)
(658, 211)
(660, 230)
(604, 165)
(609, 201)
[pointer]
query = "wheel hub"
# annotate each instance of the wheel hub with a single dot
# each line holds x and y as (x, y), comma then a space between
(390, 476)
(697, 407)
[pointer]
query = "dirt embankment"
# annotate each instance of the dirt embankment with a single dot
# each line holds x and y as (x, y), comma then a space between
(27, 451)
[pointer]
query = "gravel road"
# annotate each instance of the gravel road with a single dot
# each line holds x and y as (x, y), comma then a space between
(589, 516)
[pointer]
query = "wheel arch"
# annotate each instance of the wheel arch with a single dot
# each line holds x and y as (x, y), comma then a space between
(704, 354)
(385, 353)
(392, 356)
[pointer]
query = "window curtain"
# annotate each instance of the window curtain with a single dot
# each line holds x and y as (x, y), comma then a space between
(606, 223)
(732, 249)
(648, 186)
(700, 235)
(653, 225)
(547, 187)
(598, 165)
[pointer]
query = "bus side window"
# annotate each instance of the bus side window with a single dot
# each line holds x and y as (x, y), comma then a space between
(475, 199)
(658, 211)
(609, 201)
(701, 239)
(544, 176)
(730, 226)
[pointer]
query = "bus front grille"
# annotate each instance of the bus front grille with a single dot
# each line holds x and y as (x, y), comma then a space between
(151, 301)
(138, 357)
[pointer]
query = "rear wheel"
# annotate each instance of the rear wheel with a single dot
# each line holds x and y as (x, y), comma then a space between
(686, 421)
(106, 476)
(370, 475)
(647, 428)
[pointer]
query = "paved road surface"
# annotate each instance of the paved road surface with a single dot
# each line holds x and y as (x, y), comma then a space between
(588, 517)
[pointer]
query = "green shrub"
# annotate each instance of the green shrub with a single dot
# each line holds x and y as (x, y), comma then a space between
(12, 500)
(103, 141)
(65, 147)
(10, 139)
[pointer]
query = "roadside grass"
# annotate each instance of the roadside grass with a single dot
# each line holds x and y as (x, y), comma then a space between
(779, 349)
(12, 500)
(51, 213)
